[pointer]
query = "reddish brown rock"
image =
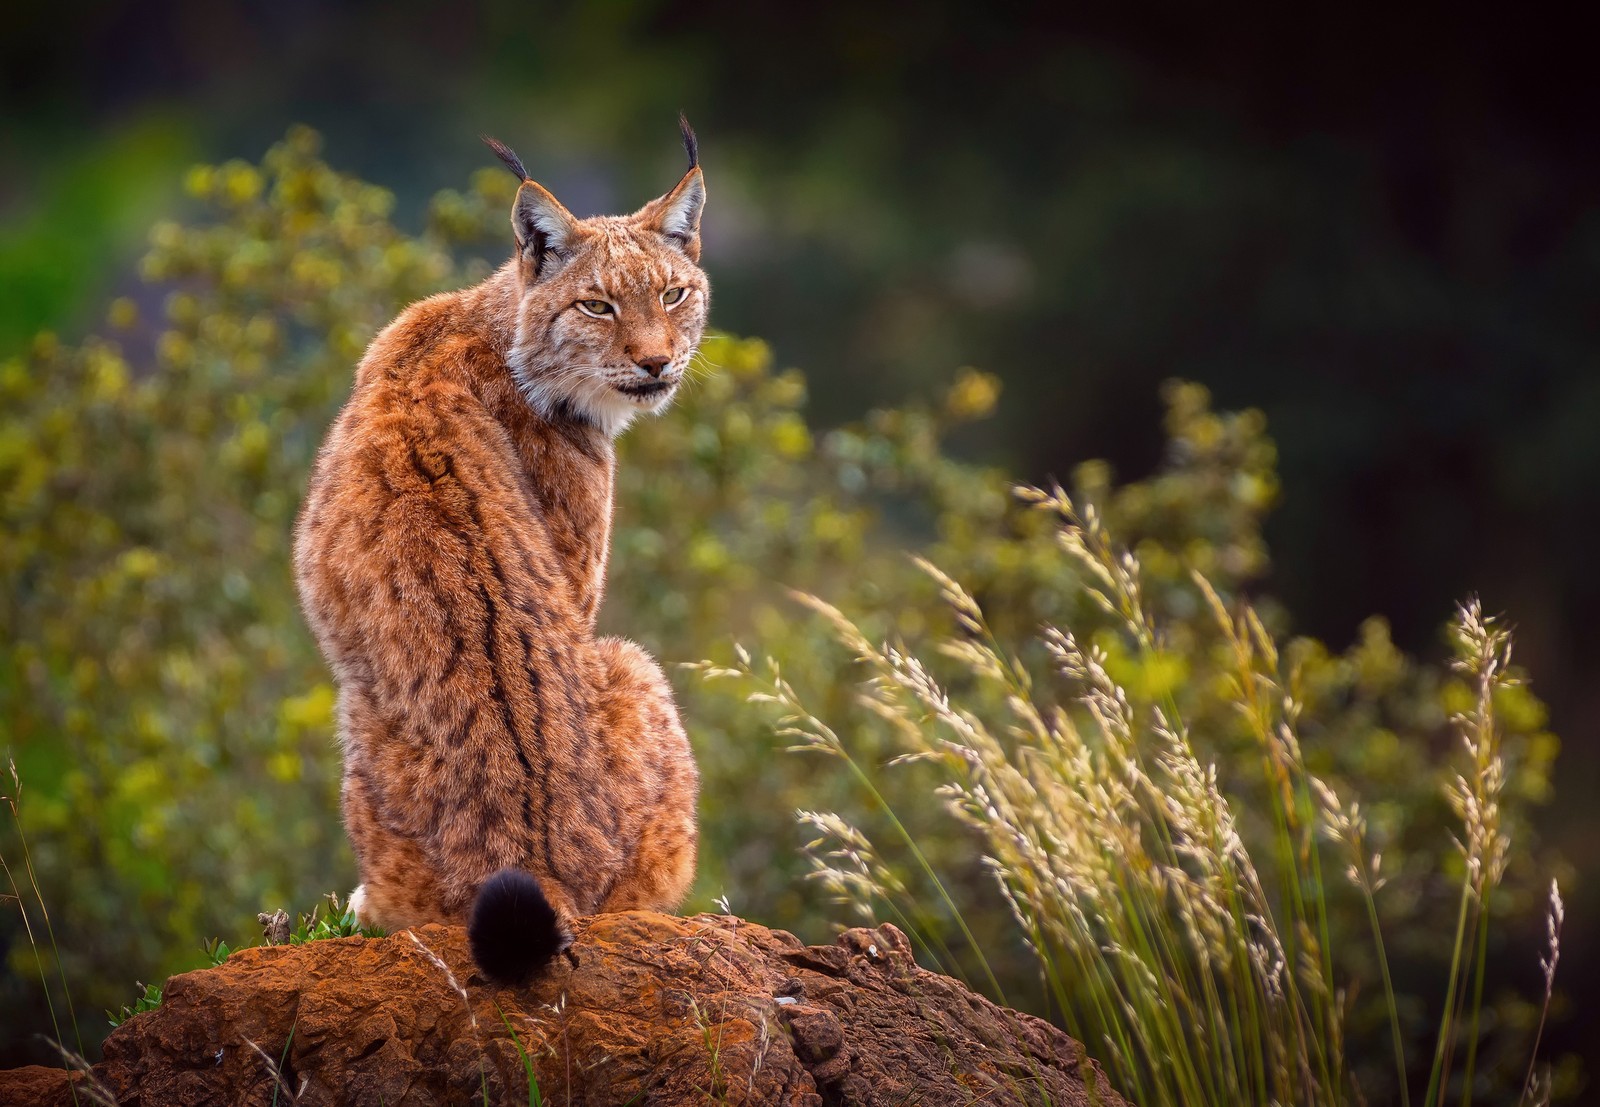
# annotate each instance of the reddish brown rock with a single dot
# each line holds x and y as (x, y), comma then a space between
(644, 1009)
(33, 1084)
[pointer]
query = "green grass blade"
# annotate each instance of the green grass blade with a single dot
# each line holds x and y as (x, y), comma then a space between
(534, 1097)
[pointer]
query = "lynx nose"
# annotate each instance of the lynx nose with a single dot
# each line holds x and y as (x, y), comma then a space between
(652, 365)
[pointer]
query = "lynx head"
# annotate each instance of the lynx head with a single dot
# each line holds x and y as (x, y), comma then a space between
(611, 308)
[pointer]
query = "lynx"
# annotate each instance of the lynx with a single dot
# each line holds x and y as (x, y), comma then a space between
(504, 766)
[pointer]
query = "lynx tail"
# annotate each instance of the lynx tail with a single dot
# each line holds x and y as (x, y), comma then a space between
(513, 930)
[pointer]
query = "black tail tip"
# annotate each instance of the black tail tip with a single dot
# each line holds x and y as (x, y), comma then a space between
(513, 930)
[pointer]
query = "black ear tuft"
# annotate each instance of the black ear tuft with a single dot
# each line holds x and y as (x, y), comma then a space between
(690, 143)
(507, 155)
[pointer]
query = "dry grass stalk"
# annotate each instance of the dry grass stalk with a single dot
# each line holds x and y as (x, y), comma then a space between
(1198, 975)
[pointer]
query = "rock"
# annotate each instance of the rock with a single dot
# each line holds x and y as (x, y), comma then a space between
(644, 1009)
(35, 1084)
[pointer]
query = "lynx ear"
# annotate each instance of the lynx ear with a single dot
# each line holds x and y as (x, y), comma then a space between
(546, 232)
(677, 214)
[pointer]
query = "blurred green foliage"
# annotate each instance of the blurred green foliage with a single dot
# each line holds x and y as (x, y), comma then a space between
(172, 721)
(64, 246)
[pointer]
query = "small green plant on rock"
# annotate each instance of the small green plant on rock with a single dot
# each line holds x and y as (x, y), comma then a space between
(148, 1000)
(310, 926)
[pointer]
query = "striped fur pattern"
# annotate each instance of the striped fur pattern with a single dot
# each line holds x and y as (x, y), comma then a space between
(451, 559)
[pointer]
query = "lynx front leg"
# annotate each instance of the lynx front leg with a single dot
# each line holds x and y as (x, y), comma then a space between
(644, 734)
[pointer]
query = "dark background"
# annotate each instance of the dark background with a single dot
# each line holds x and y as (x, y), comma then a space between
(1380, 226)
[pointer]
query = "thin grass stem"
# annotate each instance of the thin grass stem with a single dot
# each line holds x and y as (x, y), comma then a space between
(1477, 1004)
(1388, 994)
(1435, 1093)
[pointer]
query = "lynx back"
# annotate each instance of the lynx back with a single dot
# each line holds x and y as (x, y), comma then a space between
(504, 766)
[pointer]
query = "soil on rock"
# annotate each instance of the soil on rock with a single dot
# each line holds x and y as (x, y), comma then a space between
(644, 1009)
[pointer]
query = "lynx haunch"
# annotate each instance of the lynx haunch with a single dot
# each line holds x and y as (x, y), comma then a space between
(503, 765)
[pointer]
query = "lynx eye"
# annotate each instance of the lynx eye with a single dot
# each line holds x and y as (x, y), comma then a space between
(595, 307)
(673, 295)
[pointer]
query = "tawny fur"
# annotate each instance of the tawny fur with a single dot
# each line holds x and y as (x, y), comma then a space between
(451, 559)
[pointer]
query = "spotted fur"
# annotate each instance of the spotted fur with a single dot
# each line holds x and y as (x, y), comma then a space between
(451, 560)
